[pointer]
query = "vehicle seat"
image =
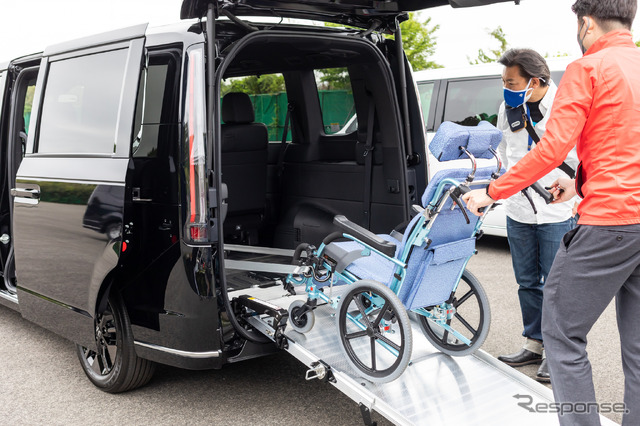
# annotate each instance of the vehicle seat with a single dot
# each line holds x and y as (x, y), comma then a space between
(244, 168)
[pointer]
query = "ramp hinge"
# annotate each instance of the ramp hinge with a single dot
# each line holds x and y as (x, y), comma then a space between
(281, 340)
(366, 415)
(278, 317)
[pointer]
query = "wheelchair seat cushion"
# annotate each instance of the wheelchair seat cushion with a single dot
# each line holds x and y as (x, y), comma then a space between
(374, 266)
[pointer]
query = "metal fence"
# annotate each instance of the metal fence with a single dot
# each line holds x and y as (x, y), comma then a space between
(271, 109)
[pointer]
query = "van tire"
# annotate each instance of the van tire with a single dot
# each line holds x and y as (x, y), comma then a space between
(115, 367)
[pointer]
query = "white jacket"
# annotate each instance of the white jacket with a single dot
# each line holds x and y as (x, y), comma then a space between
(513, 147)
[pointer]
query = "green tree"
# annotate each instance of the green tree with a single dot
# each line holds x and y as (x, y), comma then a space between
(419, 42)
(493, 54)
(558, 54)
(254, 84)
(333, 79)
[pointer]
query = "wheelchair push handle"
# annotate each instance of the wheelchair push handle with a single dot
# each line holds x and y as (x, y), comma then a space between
(456, 197)
(542, 191)
(460, 190)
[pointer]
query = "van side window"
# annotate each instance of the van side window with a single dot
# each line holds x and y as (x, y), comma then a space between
(470, 101)
(336, 98)
(28, 104)
(157, 102)
(81, 103)
(556, 76)
(25, 88)
(426, 93)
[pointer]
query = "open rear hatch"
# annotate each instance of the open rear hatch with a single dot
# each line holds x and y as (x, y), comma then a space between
(358, 13)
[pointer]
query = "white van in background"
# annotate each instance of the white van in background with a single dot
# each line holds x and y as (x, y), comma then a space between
(465, 96)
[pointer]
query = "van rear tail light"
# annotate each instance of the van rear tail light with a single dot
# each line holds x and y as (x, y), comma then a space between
(198, 232)
(194, 151)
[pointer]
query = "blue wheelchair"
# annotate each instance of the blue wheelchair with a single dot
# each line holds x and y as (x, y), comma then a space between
(421, 270)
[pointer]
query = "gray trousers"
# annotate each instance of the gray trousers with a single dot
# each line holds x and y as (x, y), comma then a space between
(593, 264)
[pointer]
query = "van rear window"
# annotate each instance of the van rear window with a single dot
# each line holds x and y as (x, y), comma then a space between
(269, 99)
(81, 102)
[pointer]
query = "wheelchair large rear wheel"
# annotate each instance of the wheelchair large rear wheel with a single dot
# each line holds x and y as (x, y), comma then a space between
(472, 319)
(375, 331)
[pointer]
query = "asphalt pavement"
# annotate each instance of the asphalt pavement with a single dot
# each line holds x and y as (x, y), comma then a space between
(41, 381)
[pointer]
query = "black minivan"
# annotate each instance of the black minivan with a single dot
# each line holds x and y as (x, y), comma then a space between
(136, 205)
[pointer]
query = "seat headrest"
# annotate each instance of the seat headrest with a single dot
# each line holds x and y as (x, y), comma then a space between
(237, 108)
(446, 144)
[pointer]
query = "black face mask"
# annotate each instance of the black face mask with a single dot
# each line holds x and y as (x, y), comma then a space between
(581, 40)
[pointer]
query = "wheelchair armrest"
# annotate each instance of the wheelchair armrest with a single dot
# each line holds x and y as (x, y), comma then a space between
(365, 235)
(417, 209)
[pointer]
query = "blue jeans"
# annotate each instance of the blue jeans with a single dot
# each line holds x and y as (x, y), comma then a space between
(533, 248)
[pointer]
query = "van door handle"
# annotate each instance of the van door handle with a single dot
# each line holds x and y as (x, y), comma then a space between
(33, 193)
(135, 196)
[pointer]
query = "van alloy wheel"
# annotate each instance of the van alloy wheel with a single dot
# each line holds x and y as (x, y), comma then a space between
(102, 361)
(113, 365)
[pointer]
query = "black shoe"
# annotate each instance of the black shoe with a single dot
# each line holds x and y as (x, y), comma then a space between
(543, 375)
(524, 357)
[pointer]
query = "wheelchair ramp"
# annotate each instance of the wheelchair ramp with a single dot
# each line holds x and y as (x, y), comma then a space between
(435, 389)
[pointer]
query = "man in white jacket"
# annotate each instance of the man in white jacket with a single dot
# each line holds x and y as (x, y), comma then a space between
(534, 238)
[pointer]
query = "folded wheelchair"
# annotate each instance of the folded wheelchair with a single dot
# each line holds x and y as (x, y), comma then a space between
(421, 270)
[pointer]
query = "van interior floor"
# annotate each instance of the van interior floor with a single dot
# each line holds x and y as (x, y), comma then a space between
(238, 280)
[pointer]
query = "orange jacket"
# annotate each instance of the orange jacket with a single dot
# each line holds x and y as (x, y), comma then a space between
(597, 107)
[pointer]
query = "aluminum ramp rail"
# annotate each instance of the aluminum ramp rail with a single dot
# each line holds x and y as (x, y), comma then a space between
(435, 389)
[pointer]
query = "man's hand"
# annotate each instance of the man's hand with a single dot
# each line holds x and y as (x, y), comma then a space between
(477, 199)
(563, 189)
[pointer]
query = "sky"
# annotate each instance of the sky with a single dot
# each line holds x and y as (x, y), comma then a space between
(548, 26)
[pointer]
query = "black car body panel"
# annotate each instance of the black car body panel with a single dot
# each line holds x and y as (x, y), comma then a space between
(358, 13)
(326, 9)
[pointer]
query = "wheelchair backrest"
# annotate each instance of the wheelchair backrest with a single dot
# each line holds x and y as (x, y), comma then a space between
(438, 262)
(480, 141)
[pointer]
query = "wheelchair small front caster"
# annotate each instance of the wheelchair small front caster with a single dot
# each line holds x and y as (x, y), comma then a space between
(300, 320)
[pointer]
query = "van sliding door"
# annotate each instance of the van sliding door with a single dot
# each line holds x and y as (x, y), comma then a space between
(69, 192)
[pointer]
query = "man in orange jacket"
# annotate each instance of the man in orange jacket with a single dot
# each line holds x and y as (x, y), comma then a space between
(597, 108)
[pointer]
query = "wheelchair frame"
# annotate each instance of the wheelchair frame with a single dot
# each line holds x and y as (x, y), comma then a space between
(321, 271)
